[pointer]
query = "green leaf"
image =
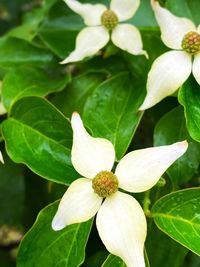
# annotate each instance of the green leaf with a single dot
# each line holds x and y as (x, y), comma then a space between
(73, 98)
(189, 97)
(27, 81)
(163, 247)
(113, 261)
(185, 8)
(170, 129)
(42, 246)
(60, 29)
(177, 215)
(38, 135)
(15, 52)
(112, 111)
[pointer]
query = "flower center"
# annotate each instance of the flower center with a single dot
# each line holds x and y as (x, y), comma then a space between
(105, 184)
(109, 19)
(191, 42)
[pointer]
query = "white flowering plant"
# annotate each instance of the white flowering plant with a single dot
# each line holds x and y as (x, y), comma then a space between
(100, 133)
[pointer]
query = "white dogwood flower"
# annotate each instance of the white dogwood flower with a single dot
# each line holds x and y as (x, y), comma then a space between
(171, 70)
(120, 220)
(100, 21)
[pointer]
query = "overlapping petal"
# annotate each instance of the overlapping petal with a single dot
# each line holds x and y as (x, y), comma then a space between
(173, 28)
(122, 227)
(90, 155)
(128, 38)
(141, 169)
(1, 158)
(78, 204)
(124, 9)
(90, 13)
(196, 68)
(167, 74)
(88, 42)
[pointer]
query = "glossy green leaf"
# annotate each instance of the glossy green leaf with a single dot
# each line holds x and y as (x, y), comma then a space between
(42, 246)
(112, 111)
(27, 81)
(113, 261)
(189, 97)
(157, 242)
(15, 52)
(170, 129)
(73, 98)
(178, 215)
(38, 135)
(185, 8)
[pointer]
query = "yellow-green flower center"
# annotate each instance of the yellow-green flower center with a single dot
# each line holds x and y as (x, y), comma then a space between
(191, 42)
(105, 184)
(109, 19)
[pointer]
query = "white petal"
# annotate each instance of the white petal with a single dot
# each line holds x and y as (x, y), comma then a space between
(141, 169)
(88, 42)
(167, 74)
(90, 13)
(124, 9)
(122, 227)
(78, 204)
(1, 158)
(173, 28)
(198, 29)
(128, 38)
(90, 155)
(196, 68)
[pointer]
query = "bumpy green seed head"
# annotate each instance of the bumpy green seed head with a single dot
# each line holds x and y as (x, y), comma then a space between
(105, 184)
(191, 43)
(109, 19)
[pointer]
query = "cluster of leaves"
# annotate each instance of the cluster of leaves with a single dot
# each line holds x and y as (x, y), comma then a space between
(40, 95)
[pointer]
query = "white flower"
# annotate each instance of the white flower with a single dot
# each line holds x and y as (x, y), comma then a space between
(120, 220)
(171, 70)
(100, 21)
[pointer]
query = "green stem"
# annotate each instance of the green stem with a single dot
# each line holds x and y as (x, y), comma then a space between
(146, 203)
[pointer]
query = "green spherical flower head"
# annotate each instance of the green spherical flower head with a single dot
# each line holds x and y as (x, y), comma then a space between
(105, 184)
(191, 43)
(109, 20)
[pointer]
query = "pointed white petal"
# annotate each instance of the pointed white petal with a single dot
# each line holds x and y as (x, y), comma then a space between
(124, 9)
(128, 38)
(1, 158)
(90, 13)
(88, 42)
(198, 29)
(167, 74)
(173, 28)
(141, 169)
(122, 227)
(90, 155)
(196, 68)
(78, 204)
